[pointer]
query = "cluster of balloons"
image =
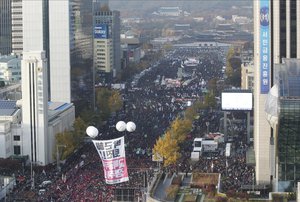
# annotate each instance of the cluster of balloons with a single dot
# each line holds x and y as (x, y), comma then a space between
(120, 126)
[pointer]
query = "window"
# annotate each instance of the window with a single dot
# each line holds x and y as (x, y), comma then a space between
(16, 138)
(17, 150)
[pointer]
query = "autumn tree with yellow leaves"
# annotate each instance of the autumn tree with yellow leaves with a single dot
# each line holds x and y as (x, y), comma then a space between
(167, 147)
(71, 139)
(180, 128)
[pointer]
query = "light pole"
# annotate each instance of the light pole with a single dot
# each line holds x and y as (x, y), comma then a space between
(207, 126)
(57, 154)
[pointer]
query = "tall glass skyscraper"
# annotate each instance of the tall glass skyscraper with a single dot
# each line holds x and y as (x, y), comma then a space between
(287, 135)
(276, 36)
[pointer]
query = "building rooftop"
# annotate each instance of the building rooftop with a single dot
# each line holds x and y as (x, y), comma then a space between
(8, 107)
(7, 58)
(55, 108)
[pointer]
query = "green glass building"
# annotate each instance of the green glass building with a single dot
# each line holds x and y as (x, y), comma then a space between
(287, 77)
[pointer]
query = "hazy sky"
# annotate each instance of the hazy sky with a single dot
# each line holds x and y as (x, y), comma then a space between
(186, 4)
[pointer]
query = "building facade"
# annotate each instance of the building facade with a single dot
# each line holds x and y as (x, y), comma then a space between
(35, 107)
(10, 69)
(106, 44)
(276, 36)
(17, 27)
(287, 132)
(5, 27)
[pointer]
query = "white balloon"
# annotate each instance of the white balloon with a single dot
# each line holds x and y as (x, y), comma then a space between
(130, 126)
(92, 131)
(189, 103)
(121, 126)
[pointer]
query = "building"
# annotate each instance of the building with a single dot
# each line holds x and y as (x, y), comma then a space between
(10, 129)
(67, 41)
(39, 65)
(287, 130)
(5, 27)
(247, 69)
(106, 45)
(132, 47)
(10, 69)
(13, 141)
(169, 11)
(17, 27)
(276, 36)
(247, 76)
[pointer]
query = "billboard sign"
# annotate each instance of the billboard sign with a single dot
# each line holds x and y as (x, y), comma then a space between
(101, 31)
(265, 55)
(236, 101)
(112, 154)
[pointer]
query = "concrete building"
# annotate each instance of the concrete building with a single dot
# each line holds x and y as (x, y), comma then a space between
(17, 27)
(67, 42)
(46, 32)
(106, 45)
(10, 69)
(59, 51)
(276, 36)
(10, 129)
(247, 76)
(5, 27)
(13, 141)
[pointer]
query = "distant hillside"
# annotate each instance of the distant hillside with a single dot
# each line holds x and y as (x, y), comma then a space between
(189, 5)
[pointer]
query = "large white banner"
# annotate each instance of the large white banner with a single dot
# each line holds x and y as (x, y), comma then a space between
(112, 154)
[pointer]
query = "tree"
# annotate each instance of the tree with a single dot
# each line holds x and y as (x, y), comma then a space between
(90, 117)
(115, 102)
(212, 85)
(79, 130)
(210, 100)
(102, 97)
(66, 139)
(190, 113)
(167, 147)
(180, 128)
(229, 69)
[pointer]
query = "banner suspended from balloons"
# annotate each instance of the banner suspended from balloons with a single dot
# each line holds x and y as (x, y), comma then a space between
(112, 154)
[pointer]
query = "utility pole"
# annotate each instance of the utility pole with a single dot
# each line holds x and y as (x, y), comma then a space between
(57, 155)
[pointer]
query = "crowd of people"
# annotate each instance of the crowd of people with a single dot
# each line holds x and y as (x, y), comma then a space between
(152, 107)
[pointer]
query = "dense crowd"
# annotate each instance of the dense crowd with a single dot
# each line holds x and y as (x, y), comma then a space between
(152, 107)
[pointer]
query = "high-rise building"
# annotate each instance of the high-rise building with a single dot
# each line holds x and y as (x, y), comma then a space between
(106, 45)
(276, 36)
(5, 27)
(59, 50)
(34, 83)
(17, 27)
(287, 129)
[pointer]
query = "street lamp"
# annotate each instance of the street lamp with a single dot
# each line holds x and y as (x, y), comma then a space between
(57, 154)
(207, 126)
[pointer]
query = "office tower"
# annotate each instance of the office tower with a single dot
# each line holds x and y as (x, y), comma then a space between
(276, 36)
(59, 50)
(35, 107)
(17, 27)
(34, 83)
(287, 131)
(106, 45)
(5, 27)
